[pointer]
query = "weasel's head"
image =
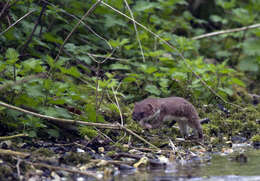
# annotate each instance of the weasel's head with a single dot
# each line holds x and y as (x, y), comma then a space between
(142, 111)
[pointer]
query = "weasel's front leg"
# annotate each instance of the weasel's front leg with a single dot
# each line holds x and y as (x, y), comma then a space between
(183, 128)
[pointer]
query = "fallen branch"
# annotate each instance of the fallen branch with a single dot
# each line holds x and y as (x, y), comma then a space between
(14, 153)
(12, 137)
(70, 121)
(226, 31)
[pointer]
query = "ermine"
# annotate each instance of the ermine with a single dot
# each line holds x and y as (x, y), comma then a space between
(151, 112)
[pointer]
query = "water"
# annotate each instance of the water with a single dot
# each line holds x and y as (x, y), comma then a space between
(219, 168)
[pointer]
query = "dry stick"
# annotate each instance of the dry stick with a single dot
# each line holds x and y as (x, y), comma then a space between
(13, 153)
(109, 58)
(18, 168)
(70, 121)
(172, 47)
(88, 27)
(118, 107)
(136, 31)
(136, 135)
(226, 31)
(64, 169)
(12, 137)
(91, 9)
(24, 16)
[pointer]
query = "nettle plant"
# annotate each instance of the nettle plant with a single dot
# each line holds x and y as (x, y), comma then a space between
(164, 74)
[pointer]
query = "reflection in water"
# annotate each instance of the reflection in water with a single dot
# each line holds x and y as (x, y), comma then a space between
(218, 169)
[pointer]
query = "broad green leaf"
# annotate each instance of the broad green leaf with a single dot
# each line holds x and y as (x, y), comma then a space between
(150, 70)
(71, 71)
(12, 56)
(50, 61)
(129, 79)
(226, 90)
(152, 89)
(112, 20)
(85, 59)
(51, 38)
(238, 81)
(119, 66)
(145, 5)
(53, 133)
(248, 65)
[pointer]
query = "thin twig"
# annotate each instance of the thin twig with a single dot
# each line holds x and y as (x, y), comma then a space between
(226, 31)
(4, 8)
(136, 31)
(75, 17)
(106, 57)
(91, 9)
(20, 19)
(118, 107)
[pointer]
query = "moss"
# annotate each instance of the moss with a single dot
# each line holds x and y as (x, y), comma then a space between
(111, 153)
(76, 158)
(43, 152)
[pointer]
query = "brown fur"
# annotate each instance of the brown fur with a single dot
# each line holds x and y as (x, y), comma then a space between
(151, 113)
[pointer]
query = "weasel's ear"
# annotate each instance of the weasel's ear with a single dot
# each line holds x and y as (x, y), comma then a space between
(150, 106)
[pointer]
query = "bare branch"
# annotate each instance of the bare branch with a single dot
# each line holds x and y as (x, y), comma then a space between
(226, 31)
(24, 16)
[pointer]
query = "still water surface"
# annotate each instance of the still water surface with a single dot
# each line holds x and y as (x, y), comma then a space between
(219, 168)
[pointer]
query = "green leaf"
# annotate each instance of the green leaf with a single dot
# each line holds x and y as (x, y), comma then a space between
(248, 65)
(111, 20)
(152, 89)
(129, 79)
(85, 59)
(119, 66)
(71, 71)
(251, 46)
(145, 5)
(226, 90)
(12, 56)
(238, 81)
(50, 61)
(53, 133)
(51, 38)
